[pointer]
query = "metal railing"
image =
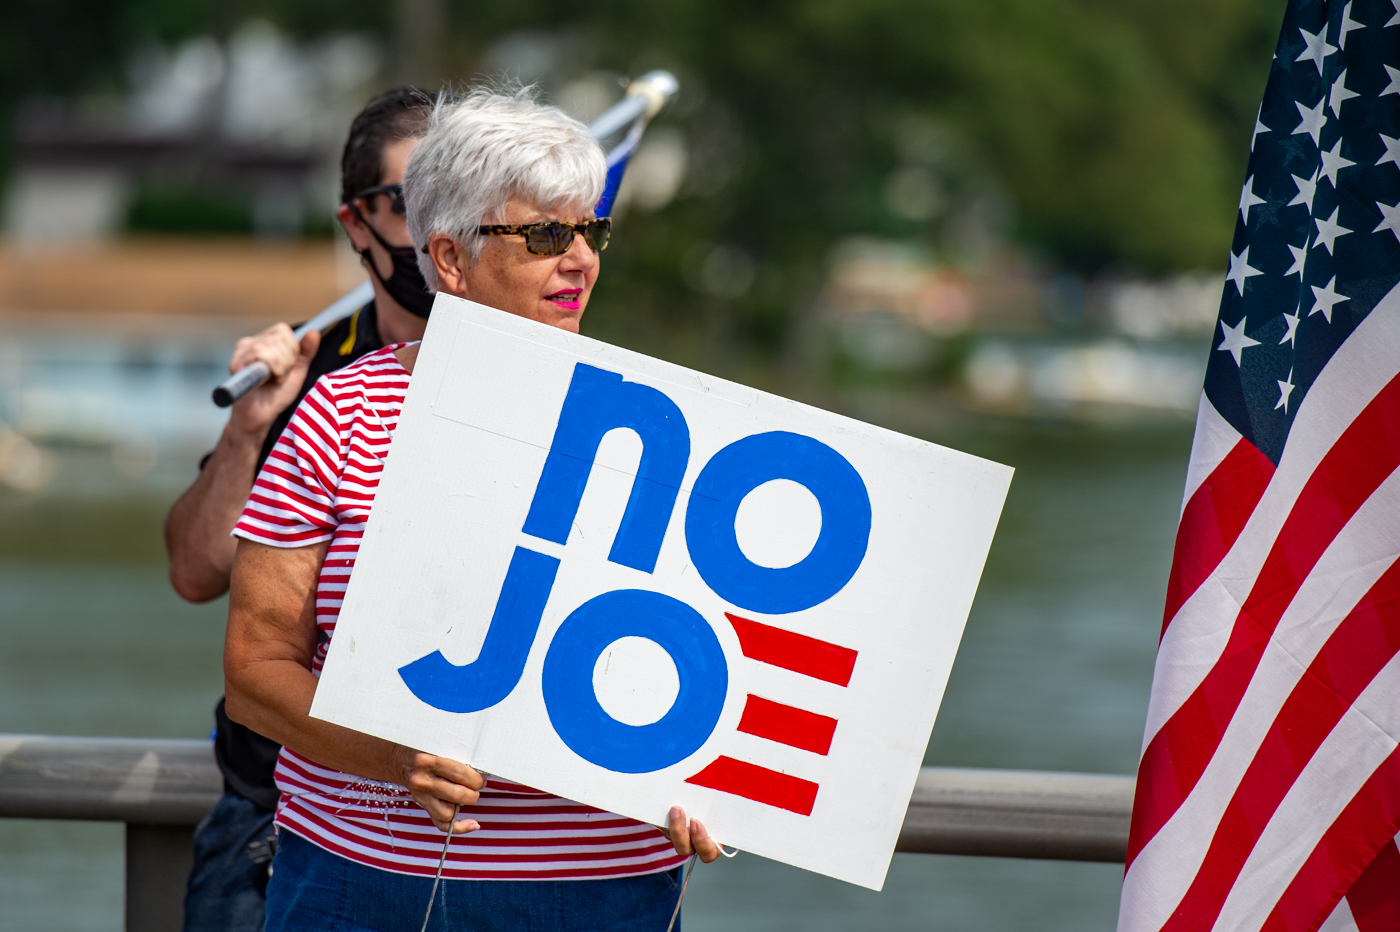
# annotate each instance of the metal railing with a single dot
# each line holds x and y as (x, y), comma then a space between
(161, 789)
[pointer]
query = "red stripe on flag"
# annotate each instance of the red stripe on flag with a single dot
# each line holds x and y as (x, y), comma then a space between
(787, 725)
(1362, 644)
(1366, 453)
(1212, 521)
(1365, 825)
(1374, 900)
(760, 784)
(792, 651)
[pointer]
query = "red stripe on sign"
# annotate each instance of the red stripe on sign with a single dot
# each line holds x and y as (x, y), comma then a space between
(1178, 753)
(1374, 899)
(792, 651)
(1212, 521)
(787, 725)
(1360, 646)
(759, 784)
(1339, 859)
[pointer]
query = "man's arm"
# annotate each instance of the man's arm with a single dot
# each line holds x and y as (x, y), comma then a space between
(198, 525)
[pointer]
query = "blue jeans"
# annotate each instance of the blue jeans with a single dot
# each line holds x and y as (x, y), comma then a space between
(312, 889)
(233, 849)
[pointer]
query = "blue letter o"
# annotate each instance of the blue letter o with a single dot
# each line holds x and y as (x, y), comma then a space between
(743, 466)
(568, 681)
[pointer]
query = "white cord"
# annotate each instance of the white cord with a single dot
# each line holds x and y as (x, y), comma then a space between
(441, 861)
(690, 870)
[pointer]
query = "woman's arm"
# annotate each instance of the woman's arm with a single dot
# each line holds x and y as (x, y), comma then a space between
(268, 650)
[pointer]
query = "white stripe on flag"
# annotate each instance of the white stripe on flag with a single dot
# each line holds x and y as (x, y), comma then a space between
(1340, 919)
(1214, 440)
(1363, 738)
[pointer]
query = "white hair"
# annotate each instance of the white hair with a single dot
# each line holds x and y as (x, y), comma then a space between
(489, 146)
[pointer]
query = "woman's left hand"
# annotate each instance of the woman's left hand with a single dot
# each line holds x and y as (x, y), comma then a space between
(440, 785)
(690, 837)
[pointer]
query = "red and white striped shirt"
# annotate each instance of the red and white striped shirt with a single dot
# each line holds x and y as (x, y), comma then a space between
(318, 485)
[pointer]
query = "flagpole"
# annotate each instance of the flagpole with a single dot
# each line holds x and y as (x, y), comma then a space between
(645, 98)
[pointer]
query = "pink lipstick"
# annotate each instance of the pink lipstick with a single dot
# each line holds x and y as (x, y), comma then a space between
(568, 300)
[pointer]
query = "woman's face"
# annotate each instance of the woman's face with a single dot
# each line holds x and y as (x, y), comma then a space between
(553, 290)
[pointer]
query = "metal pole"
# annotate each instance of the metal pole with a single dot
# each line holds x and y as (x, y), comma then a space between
(997, 813)
(161, 789)
(251, 376)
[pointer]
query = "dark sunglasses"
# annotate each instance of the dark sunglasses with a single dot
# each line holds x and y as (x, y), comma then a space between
(394, 192)
(554, 237)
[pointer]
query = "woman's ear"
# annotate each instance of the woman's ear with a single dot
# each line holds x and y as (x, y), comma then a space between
(452, 262)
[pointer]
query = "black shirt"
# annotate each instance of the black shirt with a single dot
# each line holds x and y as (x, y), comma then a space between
(245, 757)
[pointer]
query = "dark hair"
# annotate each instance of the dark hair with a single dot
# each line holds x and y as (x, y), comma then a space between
(400, 113)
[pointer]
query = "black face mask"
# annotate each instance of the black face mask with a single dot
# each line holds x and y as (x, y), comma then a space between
(406, 284)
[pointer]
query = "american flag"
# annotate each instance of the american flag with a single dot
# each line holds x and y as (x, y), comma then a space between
(1268, 793)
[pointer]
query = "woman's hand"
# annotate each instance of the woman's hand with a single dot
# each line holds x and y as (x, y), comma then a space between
(690, 837)
(440, 785)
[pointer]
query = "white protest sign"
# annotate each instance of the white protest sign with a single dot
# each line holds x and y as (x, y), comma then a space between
(638, 586)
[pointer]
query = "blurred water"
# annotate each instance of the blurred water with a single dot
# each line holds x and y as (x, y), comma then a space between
(1053, 674)
(98, 388)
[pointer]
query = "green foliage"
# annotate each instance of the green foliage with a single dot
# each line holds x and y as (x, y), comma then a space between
(1094, 132)
(63, 47)
(1116, 130)
(190, 209)
(1103, 132)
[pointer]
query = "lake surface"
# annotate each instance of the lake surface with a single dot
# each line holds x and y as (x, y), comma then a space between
(1053, 674)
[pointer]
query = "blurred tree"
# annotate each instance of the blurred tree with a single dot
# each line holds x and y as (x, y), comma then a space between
(1102, 131)
(1095, 131)
(66, 48)
(1115, 128)
(72, 46)
(187, 210)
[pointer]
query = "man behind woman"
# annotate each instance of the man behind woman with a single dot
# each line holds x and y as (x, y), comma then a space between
(234, 844)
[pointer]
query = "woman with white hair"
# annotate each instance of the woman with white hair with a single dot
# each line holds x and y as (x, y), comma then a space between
(500, 194)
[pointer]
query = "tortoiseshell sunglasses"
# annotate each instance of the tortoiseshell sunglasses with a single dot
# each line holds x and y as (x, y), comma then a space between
(554, 237)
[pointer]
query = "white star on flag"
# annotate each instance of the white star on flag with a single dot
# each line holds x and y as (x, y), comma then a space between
(1394, 20)
(1307, 188)
(1340, 94)
(1392, 88)
(1233, 340)
(1328, 230)
(1392, 150)
(1292, 322)
(1316, 47)
(1300, 259)
(1285, 388)
(1332, 162)
(1248, 198)
(1327, 298)
(1348, 25)
(1391, 213)
(1259, 127)
(1312, 119)
(1240, 270)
